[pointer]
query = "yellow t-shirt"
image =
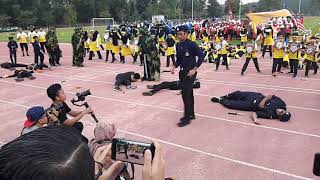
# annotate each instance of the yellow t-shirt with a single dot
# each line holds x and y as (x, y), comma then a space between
(244, 38)
(42, 36)
(223, 49)
(31, 35)
(311, 57)
(22, 37)
(253, 54)
(278, 53)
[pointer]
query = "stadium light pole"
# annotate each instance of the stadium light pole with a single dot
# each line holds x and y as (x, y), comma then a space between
(192, 10)
(299, 6)
(240, 4)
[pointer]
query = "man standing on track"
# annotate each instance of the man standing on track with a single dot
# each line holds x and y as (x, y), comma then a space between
(186, 59)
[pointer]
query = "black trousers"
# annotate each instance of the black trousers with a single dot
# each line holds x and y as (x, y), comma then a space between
(187, 92)
(122, 58)
(277, 64)
(91, 54)
(313, 64)
(146, 66)
(255, 61)
(264, 50)
(240, 100)
(135, 57)
(172, 58)
(24, 46)
(164, 85)
(24, 74)
(294, 63)
(107, 54)
(225, 60)
(43, 45)
(38, 55)
(13, 57)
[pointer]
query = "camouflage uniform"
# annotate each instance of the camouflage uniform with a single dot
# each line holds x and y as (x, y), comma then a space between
(150, 54)
(78, 47)
(52, 47)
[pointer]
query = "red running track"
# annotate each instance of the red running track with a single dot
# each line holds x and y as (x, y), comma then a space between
(215, 146)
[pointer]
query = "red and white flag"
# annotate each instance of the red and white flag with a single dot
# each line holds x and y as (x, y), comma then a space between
(299, 24)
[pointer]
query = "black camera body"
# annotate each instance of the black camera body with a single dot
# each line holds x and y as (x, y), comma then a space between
(82, 96)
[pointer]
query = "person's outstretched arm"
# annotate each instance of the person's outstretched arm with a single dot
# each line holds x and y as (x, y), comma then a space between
(262, 104)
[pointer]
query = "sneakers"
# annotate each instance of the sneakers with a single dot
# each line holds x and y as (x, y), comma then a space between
(117, 88)
(150, 86)
(215, 99)
(147, 93)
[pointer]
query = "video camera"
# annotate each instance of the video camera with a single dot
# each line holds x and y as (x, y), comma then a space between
(82, 97)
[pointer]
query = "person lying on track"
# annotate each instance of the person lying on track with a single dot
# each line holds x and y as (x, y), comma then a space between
(20, 74)
(126, 79)
(173, 85)
(266, 107)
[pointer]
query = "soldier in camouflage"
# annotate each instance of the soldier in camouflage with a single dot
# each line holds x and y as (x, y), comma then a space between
(52, 47)
(150, 56)
(78, 47)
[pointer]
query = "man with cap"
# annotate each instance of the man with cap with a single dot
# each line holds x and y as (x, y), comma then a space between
(186, 59)
(13, 46)
(37, 118)
(266, 107)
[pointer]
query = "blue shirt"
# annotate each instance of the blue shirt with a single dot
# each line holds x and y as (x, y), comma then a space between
(186, 55)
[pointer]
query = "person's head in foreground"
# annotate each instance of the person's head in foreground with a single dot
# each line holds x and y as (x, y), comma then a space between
(135, 77)
(54, 152)
(182, 33)
(56, 93)
(10, 38)
(35, 38)
(58, 153)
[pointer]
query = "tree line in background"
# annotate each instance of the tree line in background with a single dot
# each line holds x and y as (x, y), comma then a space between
(70, 12)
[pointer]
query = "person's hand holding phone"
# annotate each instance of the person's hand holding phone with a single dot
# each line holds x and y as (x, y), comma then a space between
(102, 156)
(153, 169)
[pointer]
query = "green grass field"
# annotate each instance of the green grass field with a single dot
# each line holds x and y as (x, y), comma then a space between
(64, 34)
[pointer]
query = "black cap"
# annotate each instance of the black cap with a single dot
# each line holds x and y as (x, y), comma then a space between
(182, 28)
(285, 117)
(10, 38)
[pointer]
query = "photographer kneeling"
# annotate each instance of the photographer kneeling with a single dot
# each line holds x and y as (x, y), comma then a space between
(58, 97)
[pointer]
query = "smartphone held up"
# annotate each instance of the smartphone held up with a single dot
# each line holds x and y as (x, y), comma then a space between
(130, 151)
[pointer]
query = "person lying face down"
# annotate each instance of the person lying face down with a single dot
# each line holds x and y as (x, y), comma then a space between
(126, 79)
(20, 74)
(173, 85)
(266, 107)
